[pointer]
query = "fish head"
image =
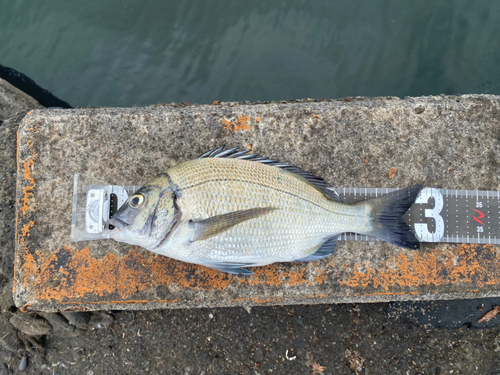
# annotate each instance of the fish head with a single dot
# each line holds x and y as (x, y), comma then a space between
(146, 218)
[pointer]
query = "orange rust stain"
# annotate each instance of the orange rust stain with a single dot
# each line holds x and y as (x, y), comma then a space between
(30, 267)
(266, 300)
(227, 125)
(26, 229)
(270, 275)
(69, 274)
(30, 143)
(382, 294)
(258, 119)
(314, 296)
(167, 271)
(392, 173)
(240, 124)
(74, 273)
(29, 260)
(457, 264)
(319, 275)
(28, 190)
(275, 275)
(25, 233)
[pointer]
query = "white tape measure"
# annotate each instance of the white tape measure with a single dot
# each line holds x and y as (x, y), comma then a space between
(441, 215)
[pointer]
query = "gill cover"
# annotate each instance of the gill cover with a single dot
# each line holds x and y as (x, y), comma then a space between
(148, 216)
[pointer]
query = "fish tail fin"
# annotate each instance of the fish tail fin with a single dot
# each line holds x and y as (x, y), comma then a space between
(387, 217)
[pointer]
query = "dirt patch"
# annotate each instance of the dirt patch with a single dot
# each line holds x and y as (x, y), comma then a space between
(235, 341)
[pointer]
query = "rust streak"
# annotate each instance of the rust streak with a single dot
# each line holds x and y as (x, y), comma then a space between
(69, 274)
(26, 229)
(240, 124)
(227, 125)
(470, 264)
(28, 190)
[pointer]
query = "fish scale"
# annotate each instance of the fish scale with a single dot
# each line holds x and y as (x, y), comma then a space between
(254, 185)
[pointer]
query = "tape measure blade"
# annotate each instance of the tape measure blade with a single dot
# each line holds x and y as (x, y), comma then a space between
(443, 215)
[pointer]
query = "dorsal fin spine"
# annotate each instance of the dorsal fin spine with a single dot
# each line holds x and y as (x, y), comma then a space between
(236, 153)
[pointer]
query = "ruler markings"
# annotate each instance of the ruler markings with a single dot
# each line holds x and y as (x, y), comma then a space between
(443, 215)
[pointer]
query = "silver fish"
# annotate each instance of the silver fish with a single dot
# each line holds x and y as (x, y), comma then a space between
(230, 209)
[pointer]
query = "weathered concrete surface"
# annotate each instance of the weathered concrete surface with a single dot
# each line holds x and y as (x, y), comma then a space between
(13, 100)
(9, 338)
(446, 142)
(26, 325)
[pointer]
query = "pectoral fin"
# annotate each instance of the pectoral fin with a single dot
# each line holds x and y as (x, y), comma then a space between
(212, 226)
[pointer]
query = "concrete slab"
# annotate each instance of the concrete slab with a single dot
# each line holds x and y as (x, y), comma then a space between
(445, 142)
(13, 100)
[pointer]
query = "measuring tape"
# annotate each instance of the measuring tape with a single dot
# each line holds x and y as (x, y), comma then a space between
(441, 215)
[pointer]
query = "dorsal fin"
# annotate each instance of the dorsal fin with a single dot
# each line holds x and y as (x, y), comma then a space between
(237, 153)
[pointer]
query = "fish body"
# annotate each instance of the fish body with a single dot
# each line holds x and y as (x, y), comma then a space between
(229, 209)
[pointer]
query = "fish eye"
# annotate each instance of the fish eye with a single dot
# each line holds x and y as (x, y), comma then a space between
(136, 201)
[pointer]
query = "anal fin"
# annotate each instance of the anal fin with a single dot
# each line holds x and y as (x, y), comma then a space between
(233, 268)
(326, 249)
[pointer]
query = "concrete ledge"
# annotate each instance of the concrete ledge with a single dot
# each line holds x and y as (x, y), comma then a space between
(13, 100)
(446, 142)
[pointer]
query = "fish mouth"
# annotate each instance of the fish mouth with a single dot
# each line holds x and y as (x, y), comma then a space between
(119, 225)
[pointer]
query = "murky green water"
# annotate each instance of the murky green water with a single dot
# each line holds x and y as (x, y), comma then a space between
(121, 53)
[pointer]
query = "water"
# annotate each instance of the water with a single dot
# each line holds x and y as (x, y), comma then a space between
(124, 53)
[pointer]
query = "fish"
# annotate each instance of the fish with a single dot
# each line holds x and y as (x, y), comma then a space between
(230, 209)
